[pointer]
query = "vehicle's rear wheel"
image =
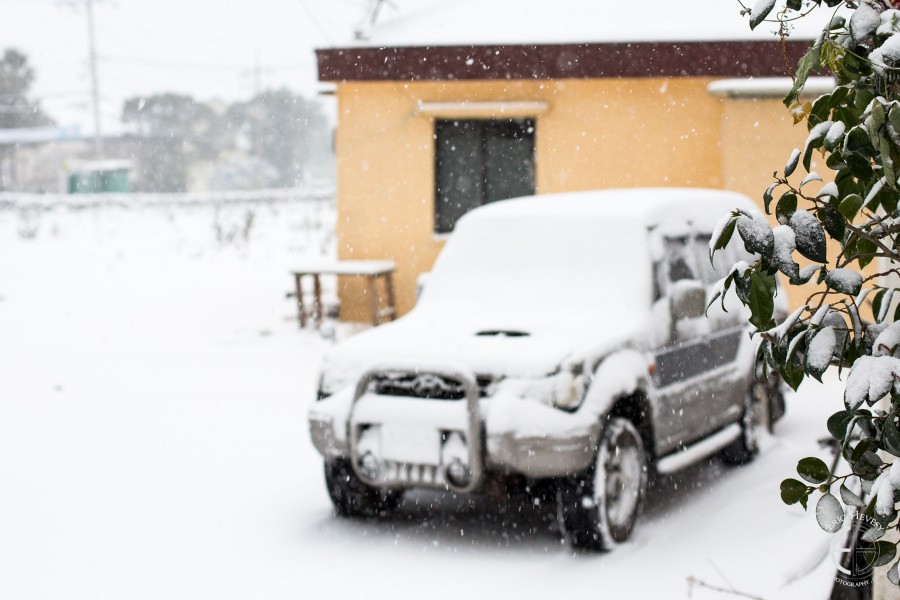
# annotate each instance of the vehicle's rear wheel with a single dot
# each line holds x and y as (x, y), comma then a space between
(598, 508)
(353, 498)
(755, 418)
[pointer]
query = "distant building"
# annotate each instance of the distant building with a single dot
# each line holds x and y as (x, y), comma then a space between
(443, 106)
(97, 176)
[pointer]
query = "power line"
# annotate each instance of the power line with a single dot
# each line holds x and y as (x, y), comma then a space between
(317, 23)
(188, 65)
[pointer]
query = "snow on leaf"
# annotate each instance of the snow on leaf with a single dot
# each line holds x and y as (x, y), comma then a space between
(816, 134)
(811, 177)
(886, 55)
(757, 234)
(845, 281)
(834, 135)
(819, 315)
(820, 351)
(864, 21)
(807, 272)
(884, 494)
(810, 236)
(792, 162)
(779, 330)
(760, 11)
(873, 192)
(829, 189)
(887, 340)
(829, 513)
(889, 20)
(785, 244)
(871, 379)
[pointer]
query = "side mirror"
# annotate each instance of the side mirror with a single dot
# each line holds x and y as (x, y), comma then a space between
(687, 299)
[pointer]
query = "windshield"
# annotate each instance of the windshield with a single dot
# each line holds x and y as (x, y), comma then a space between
(540, 267)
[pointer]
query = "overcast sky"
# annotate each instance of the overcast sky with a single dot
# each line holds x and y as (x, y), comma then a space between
(205, 48)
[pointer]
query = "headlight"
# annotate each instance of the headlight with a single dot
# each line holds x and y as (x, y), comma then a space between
(329, 383)
(568, 389)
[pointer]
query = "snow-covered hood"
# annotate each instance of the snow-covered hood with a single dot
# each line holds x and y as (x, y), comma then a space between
(492, 347)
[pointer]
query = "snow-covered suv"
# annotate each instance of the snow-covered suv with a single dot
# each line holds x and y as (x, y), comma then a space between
(559, 338)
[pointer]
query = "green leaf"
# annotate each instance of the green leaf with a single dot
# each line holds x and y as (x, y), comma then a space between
(829, 513)
(767, 196)
(760, 300)
(810, 62)
(786, 206)
(864, 246)
(876, 301)
(851, 498)
(850, 205)
(813, 469)
(859, 166)
(793, 4)
(882, 553)
(793, 491)
(858, 141)
(893, 574)
(726, 234)
(838, 96)
(838, 423)
(833, 222)
(861, 448)
(891, 436)
(793, 373)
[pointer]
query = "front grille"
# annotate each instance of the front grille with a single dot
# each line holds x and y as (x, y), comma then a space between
(426, 385)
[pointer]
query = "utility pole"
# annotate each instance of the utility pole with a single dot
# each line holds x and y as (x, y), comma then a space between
(256, 110)
(95, 85)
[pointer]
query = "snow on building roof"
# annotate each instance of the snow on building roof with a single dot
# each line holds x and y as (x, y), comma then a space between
(535, 39)
(475, 22)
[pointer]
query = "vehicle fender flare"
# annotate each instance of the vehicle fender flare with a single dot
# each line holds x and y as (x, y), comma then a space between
(618, 376)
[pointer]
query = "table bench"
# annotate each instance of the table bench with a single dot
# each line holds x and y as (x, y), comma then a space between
(372, 270)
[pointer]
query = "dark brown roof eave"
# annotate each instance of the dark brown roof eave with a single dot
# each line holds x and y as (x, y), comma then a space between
(560, 61)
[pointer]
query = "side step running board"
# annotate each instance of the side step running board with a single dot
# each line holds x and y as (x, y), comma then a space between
(705, 447)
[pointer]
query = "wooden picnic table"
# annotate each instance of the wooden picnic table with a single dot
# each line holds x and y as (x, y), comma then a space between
(372, 270)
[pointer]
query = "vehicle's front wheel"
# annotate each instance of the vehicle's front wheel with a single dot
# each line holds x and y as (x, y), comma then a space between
(353, 498)
(598, 508)
(754, 419)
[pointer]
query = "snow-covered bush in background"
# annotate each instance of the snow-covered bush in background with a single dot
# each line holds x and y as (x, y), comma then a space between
(856, 128)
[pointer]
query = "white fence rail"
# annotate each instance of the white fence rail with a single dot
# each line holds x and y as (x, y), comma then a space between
(14, 200)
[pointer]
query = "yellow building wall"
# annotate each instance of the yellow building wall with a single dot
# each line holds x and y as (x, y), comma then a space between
(595, 133)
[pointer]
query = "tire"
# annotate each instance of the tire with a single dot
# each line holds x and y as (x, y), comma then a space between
(755, 417)
(598, 508)
(353, 498)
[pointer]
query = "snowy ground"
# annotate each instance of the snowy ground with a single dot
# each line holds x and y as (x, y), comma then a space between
(153, 390)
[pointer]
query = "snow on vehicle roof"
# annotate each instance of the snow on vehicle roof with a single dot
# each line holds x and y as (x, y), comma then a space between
(647, 207)
(461, 22)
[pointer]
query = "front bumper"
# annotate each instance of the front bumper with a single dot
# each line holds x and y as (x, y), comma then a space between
(505, 433)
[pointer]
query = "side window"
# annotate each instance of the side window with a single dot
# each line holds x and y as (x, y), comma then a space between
(678, 263)
(723, 259)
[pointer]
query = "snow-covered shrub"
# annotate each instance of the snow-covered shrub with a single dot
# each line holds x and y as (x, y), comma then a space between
(856, 128)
